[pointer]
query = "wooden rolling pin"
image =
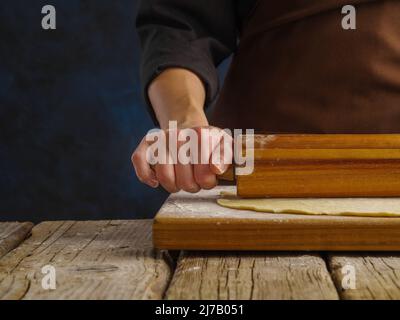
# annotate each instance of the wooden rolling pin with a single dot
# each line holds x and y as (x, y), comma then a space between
(326, 165)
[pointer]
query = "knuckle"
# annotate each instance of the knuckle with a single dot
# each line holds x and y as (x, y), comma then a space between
(135, 157)
(201, 178)
(167, 183)
(142, 177)
(208, 184)
(163, 178)
(190, 187)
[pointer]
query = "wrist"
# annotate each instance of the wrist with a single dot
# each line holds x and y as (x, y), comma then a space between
(189, 119)
(193, 122)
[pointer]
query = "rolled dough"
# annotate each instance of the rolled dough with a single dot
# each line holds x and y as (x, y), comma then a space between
(368, 207)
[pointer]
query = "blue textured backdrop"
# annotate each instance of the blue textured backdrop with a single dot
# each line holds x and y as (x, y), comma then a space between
(71, 112)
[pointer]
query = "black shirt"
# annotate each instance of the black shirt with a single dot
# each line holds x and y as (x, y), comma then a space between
(195, 35)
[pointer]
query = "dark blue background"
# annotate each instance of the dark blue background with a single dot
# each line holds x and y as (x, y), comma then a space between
(71, 112)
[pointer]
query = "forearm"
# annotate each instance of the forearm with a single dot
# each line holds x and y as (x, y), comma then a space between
(178, 94)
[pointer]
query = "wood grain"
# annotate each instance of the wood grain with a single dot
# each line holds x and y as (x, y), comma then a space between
(321, 179)
(229, 276)
(322, 166)
(197, 222)
(93, 260)
(377, 275)
(323, 141)
(12, 234)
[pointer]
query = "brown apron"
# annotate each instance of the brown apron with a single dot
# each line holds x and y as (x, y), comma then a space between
(298, 71)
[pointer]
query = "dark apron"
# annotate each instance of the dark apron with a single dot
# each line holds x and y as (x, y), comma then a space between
(298, 71)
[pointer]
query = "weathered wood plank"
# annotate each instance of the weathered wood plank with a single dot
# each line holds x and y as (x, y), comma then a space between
(93, 260)
(12, 234)
(226, 276)
(376, 276)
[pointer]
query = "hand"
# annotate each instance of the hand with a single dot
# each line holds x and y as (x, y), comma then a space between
(214, 155)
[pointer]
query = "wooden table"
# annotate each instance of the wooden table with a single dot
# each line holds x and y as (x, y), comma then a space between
(116, 260)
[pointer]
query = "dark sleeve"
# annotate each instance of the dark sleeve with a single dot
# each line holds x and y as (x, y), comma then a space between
(195, 35)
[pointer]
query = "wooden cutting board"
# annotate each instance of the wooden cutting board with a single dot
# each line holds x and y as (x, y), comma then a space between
(197, 222)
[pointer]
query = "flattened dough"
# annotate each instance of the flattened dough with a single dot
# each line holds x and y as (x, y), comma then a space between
(368, 207)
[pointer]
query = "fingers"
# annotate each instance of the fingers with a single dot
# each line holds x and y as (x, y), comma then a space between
(185, 178)
(222, 155)
(142, 168)
(214, 155)
(165, 174)
(184, 174)
(203, 175)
